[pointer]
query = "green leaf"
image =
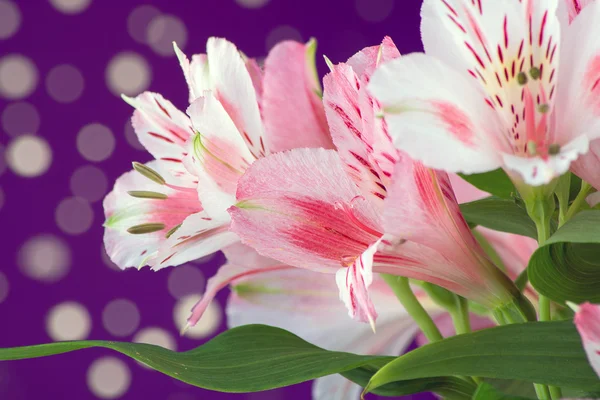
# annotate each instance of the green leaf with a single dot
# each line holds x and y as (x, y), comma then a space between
(542, 352)
(253, 358)
(567, 267)
(500, 215)
(495, 182)
(489, 392)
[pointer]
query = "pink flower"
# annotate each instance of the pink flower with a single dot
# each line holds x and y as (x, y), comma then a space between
(587, 320)
(490, 91)
(240, 113)
(306, 304)
(575, 7)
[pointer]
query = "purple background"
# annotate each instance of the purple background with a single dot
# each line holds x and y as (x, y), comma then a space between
(88, 41)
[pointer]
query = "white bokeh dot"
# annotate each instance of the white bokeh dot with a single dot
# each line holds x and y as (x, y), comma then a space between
(68, 321)
(374, 10)
(28, 155)
(131, 136)
(95, 142)
(10, 19)
(108, 378)
(20, 118)
(156, 336)
(139, 20)
(208, 324)
(252, 3)
(89, 182)
(121, 317)
(280, 33)
(45, 258)
(3, 287)
(128, 73)
(185, 280)
(64, 83)
(74, 215)
(18, 76)
(165, 29)
(71, 6)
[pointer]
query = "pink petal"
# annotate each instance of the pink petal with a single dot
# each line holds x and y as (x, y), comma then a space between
(123, 211)
(365, 61)
(300, 208)
(292, 109)
(160, 127)
(196, 73)
(199, 235)
(230, 273)
(218, 151)
(354, 281)
(587, 320)
(464, 191)
(232, 86)
(575, 7)
(587, 166)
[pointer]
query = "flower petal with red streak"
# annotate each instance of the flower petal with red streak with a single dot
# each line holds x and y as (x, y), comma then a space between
(160, 127)
(292, 109)
(232, 86)
(300, 207)
(353, 282)
(124, 211)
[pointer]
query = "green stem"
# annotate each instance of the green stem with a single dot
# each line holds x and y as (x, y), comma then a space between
(407, 298)
(460, 316)
(555, 393)
(542, 391)
(579, 201)
(544, 304)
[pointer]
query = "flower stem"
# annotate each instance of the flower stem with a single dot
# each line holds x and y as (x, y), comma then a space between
(460, 316)
(579, 201)
(407, 298)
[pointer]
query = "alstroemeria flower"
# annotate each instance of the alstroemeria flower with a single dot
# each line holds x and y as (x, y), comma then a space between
(240, 115)
(366, 208)
(587, 320)
(502, 84)
(306, 303)
(144, 228)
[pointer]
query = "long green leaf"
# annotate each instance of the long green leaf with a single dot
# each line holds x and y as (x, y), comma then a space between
(500, 215)
(567, 267)
(542, 352)
(253, 358)
(495, 182)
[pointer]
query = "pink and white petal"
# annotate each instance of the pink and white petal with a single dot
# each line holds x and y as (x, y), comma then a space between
(124, 211)
(421, 207)
(587, 166)
(228, 274)
(354, 139)
(196, 73)
(160, 126)
(198, 236)
(491, 42)
(578, 95)
(292, 109)
(587, 320)
(437, 116)
(232, 86)
(575, 7)
(335, 387)
(365, 61)
(353, 282)
(257, 77)
(307, 304)
(300, 207)
(538, 171)
(218, 150)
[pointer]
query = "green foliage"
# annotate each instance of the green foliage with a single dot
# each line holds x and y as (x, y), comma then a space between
(499, 214)
(567, 267)
(542, 352)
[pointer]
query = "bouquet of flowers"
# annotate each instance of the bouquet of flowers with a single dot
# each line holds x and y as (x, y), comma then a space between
(447, 198)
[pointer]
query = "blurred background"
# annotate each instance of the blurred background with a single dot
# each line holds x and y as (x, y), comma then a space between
(65, 137)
